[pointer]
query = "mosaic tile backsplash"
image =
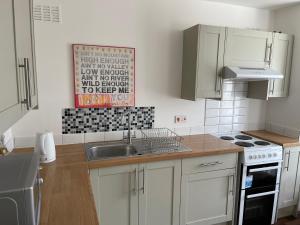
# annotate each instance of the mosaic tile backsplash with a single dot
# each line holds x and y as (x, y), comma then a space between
(90, 120)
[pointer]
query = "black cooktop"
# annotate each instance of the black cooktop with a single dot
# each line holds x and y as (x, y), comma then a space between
(227, 138)
(243, 137)
(263, 143)
(244, 144)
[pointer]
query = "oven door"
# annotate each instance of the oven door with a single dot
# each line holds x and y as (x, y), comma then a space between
(260, 208)
(261, 176)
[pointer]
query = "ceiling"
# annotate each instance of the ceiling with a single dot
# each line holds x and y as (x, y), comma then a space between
(263, 4)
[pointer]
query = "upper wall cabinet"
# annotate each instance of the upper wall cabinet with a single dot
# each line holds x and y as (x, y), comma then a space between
(203, 50)
(280, 60)
(247, 48)
(207, 49)
(10, 107)
(25, 47)
(18, 89)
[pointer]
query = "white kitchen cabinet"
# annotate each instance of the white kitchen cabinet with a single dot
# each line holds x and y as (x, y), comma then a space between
(115, 191)
(207, 190)
(203, 50)
(290, 178)
(247, 48)
(16, 44)
(144, 194)
(159, 196)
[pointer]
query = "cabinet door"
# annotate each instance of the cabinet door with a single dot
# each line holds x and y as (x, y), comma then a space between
(159, 195)
(25, 49)
(289, 187)
(115, 190)
(10, 109)
(247, 48)
(210, 61)
(281, 61)
(207, 198)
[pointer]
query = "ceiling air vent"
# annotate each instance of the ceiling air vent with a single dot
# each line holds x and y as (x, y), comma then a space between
(47, 13)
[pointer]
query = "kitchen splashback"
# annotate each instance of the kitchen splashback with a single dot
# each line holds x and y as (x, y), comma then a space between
(230, 114)
(91, 120)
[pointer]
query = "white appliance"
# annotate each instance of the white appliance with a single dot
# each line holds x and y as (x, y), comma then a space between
(250, 74)
(259, 179)
(46, 147)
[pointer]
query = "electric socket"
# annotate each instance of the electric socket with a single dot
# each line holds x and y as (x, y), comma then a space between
(180, 119)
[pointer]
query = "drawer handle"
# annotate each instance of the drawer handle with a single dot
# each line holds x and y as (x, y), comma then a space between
(210, 164)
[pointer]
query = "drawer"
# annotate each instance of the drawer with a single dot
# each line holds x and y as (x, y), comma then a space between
(209, 163)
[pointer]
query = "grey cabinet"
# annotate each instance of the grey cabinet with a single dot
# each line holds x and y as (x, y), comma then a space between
(144, 194)
(159, 198)
(203, 50)
(25, 49)
(247, 48)
(281, 53)
(10, 107)
(115, 190)
(290, 178)
(18, 88)
(207, 190)
(207, 49)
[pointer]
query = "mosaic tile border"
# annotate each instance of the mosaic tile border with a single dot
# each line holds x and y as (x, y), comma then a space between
(90, 120)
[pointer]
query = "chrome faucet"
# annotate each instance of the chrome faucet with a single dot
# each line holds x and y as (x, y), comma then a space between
(129, 137)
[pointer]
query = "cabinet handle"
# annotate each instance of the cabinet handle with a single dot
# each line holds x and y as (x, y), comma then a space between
(288, 162)
(27, 68)
(230, 188)
(135, 181)
(210, 164)
(24, 66)
(143, 187)
(268, 53)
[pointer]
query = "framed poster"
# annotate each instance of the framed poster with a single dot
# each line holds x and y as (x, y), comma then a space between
(104, 76)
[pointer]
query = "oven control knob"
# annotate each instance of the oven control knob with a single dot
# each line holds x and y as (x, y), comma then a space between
(275, 154)
(259, 156)
(250, 157)
(269, 155)
(263, 156)
(254, 157)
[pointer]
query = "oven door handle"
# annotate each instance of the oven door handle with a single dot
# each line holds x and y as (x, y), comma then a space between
(261, 194)
(264, 169)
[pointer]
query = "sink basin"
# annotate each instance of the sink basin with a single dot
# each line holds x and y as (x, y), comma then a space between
(98, 152)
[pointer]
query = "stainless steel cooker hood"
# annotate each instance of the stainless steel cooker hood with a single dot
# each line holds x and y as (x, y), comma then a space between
(250, 74)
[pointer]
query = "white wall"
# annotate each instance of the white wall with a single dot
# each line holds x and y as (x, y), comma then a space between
(154, 28)
(284, 114)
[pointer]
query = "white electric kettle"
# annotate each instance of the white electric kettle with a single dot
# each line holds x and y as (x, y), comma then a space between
(46, 147)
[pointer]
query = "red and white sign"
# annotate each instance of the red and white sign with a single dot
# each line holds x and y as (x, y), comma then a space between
(104, 76)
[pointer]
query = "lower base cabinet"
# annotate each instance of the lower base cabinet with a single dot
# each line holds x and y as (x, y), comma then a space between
(207, 198)
(144, 194)
(290, 178)
(196, 191)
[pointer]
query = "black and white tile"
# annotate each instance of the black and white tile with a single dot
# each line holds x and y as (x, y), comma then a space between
(91, 120)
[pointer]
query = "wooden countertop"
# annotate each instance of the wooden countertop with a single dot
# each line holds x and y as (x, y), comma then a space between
(201, 145)
(67, 197)
(275, 138)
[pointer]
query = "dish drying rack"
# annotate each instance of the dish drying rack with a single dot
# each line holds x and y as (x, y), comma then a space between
(162, 140)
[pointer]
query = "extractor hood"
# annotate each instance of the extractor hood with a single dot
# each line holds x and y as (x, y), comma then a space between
(250, 74)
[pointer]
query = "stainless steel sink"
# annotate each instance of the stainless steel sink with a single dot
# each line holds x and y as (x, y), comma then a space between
(98, 151)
